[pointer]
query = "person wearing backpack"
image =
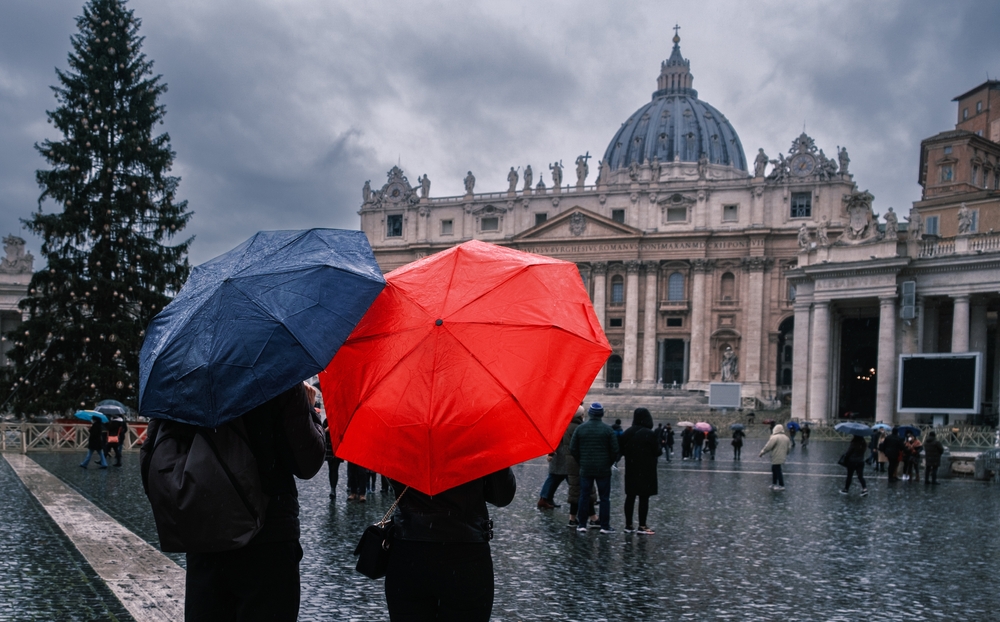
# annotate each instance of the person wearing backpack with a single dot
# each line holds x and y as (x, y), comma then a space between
(259, 580)
(117, 429)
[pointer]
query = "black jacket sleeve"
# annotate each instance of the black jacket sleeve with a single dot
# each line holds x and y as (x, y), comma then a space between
(500, 487)
(304, 432)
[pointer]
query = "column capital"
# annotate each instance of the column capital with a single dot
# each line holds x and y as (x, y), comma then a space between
(703, 265)
(651, 266)
(887, 301)
(599, 268)
(960, 297)
(757, 264)
(632, 266)
(802, 307)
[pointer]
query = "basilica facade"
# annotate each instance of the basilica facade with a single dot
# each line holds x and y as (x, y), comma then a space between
(703, 266)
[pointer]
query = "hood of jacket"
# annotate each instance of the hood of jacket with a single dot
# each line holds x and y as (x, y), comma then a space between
(642, 418)
(778, 429)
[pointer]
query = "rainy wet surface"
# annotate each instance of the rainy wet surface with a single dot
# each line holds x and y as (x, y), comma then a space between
(726, 547)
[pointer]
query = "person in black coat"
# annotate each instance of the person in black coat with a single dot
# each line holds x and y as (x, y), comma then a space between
(117, 430)
(668, 439)
(711, 442)
(95, 443)
(698, 443)
(441, 567)
(687, 437)
(738, 436)
(855, 463)
(641, 448)
(892, 447)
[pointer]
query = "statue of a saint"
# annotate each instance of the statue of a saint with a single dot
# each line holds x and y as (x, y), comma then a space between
(804, 236)
(844, 159)
(822, 237)
(915, 228)
(470, 183)
(527, 178)
(633, 171)
(702, 166)
(891, 225)
(654, 170)
(17, 261)
(760, 163)
(512, 181)
(425, 187)
(964, 220)
(582, 170)
(366, 191)
(556, 168)
(730, 365)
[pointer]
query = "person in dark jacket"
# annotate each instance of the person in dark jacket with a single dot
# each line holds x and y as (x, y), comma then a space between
(711, 442)
(441, 567)
(558, 470)
(697, 443)
(595, 447)
(738, 436)
(573, 475)
(933, 450)
(892, 447)
(687, 439)
(855, 463)
(668, 437)
(261, 580)
(95, 443)
(641, 448)
(117, 429)
(332, 461)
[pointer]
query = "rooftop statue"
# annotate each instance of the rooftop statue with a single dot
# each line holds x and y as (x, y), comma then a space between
(366, 191)
(891, 225)
(844, 159)
(582, 169)
(425, 187)
(964, 220)
(470, 183)
(556, 168)
(527, 178)
(804, 241)
(512, 181)
(822, 237)
(17, 261)
(760, 164)
(915, 229)
(654, 170)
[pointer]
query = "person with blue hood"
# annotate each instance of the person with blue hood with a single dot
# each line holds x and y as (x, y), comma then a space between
(641, 448)
(595, 447)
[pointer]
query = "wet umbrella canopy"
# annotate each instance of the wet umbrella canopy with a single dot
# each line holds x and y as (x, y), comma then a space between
(471, 360)
(856, 429)
(251, 323)
(88, 415)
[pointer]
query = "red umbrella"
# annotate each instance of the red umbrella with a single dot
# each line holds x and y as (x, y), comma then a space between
(469, 361)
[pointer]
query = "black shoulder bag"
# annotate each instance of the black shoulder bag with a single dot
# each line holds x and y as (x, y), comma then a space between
(376, 541)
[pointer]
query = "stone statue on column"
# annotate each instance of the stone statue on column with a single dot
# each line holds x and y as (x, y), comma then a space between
(425, 187)
(804, 241)
(760, 164)
(891, 225)
(366, 191)
(512, 181)
(915, 229)
(822, 236)
(556, 168)
(964, 220)
(470, 183)
(527, 179)
(582, 170)
(844, 159)
(730, 365)
(702, 166)
(654, 170)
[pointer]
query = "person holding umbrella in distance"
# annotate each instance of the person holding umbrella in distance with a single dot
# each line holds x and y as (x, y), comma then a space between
(854, 460)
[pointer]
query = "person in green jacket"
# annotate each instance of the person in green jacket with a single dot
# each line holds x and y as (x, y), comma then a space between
(595, 447)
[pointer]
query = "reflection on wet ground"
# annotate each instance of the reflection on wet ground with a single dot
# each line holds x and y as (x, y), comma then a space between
(726, 547)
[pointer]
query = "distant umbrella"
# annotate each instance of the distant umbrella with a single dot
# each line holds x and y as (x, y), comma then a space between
(736, 426)
(685, 424)
(88, 415)
(852, 428)
(793, 425)
(704, 427)
(909, 429)
(881, 426)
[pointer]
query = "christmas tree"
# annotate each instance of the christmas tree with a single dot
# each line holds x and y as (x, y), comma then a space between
(110, 264)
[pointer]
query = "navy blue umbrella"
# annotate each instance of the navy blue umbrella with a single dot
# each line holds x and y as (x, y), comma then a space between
(251, 323)
(909, 429)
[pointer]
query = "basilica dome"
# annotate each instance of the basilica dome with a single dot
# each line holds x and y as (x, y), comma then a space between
(675, 126)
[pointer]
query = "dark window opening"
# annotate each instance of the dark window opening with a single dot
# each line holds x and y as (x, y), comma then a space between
(801, 205)
(675, 322)
(618, 215)
(394, 226)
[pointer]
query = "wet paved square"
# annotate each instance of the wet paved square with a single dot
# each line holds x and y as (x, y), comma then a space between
(726, 548)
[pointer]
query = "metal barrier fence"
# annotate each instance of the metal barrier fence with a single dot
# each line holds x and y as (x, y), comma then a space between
(25, 437)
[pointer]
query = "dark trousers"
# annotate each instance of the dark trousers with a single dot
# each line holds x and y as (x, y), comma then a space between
(851, 470)
(586, 506)
(116, 449)
(357, 479)
(668, 452)
(334, 464)
(737, 449)
(440, 581)
(257, 582)
(550, 486)
(777, 478)
(630, 506)
(893, 465)
(930, 473)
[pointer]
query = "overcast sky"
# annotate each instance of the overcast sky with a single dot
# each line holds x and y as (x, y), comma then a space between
(280, 110)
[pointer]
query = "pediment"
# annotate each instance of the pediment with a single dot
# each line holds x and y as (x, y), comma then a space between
(577, 223)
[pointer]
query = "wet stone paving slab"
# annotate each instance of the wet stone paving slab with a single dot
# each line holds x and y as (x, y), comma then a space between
(726, 547)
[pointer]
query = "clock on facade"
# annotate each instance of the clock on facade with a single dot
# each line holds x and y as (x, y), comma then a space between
(802, 164)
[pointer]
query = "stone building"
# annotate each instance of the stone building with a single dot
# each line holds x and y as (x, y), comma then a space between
(685, 249)
(935, 289)
(16, 270)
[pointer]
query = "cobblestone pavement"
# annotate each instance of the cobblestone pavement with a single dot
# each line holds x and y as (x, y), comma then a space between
(726, 547)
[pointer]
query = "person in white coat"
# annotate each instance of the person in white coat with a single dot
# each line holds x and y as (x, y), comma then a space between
(778, 446)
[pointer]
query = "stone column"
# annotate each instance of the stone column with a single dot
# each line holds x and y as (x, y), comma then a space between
(960, 324)
(631, 321)
(755, 320)
(699, 317)
(599, 271)
(687, 359)
(661, 347)
(932, 316)
(819, 364)
(800, 360)
(977, 336)
(885, 378)
(649, 324)
(921, 325)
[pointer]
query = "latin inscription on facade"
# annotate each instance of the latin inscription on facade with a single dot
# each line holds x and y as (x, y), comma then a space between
(856, 282)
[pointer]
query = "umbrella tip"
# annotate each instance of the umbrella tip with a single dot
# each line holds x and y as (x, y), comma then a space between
(439, 322)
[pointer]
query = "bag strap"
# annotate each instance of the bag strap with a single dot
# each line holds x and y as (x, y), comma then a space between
(392, 508)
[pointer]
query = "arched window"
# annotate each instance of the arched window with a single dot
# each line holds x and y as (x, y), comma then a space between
(728, 289)
(617, 290)
(675, 286)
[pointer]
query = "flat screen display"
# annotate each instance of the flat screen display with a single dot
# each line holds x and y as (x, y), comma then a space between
(939, 383)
